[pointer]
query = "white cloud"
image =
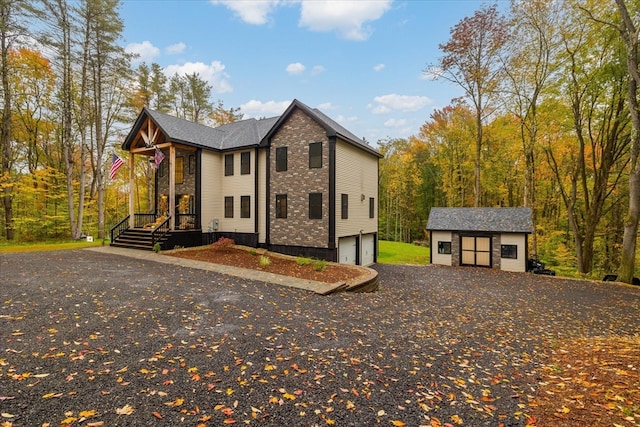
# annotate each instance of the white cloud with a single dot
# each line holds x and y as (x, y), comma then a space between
(145, 51)
(254, 12)
(213, 73)
(175, 48)
(295, 68)
(378, 67)
(395, 123)
(393, 102)
(256, 108)
(346, 17)
(317, 69)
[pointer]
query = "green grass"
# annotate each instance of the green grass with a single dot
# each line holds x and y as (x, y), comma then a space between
(9, 247)
(402, 253)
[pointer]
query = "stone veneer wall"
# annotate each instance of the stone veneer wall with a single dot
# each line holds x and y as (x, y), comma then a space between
(496, 252)
(188, 185)
(455, 249)
(297, 182)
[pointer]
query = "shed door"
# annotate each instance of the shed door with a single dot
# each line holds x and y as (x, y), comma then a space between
(476, 251)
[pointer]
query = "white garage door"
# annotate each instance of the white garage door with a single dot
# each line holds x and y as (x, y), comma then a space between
(368, 249)
(347, 250)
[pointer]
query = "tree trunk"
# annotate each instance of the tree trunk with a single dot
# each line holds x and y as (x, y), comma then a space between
(630, 37)
(478, 186)
(5, 138)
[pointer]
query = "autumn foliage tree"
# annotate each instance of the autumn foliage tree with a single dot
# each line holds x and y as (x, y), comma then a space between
(471, 60)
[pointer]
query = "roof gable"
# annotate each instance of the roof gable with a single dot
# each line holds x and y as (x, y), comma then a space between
(331, 127)
(236, 135)
(504, 220)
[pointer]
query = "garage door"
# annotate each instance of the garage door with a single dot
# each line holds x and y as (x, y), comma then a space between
(476, 251)
(347, 250)
(368, 249)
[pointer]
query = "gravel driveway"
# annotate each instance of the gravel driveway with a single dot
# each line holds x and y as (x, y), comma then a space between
(93, 339)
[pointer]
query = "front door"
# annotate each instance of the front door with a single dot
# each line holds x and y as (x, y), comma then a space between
(476, 251)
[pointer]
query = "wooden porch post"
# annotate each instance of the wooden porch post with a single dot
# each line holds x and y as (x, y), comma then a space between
(172, 187)
(131, 196)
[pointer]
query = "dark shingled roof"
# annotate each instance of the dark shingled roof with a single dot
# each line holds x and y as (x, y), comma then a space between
(244, 133)
(237, 135)
(504, 220)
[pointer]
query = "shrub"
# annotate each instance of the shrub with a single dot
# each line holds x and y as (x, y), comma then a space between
(253, 252)
(319, 265)
(303, 261)
(264, 261)
(157, 247)
(223, 244)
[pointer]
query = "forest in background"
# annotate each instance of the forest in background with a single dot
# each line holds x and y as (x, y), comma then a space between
(549, 119)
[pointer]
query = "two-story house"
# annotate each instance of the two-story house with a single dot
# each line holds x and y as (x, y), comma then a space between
(299, 184)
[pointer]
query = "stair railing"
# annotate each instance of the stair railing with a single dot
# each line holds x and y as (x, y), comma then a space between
(160, 230)
(119, 228)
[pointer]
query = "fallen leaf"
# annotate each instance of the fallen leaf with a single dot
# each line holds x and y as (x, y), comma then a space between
(125, 410)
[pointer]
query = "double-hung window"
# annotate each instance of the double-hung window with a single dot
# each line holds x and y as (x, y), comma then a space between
(228, 164)
(315, 155)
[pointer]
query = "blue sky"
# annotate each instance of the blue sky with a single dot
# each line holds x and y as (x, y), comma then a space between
(360, 62)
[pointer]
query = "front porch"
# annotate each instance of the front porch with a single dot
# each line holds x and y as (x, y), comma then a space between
(151, 229)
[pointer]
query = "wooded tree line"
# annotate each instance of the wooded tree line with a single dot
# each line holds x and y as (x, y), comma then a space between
(69, 95)
(549, 119)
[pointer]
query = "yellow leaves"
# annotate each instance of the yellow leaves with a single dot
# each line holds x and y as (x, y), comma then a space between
(69, 420)
(87, 414)
(51, 395)
(456, 419)
(350, 405)
(178, 402)
(125, 410)
(269, 367)
(398, 423)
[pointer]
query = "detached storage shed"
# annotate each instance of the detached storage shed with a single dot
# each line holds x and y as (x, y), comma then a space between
(482, 237)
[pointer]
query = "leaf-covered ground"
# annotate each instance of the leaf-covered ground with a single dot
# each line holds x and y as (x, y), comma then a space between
(92, 339)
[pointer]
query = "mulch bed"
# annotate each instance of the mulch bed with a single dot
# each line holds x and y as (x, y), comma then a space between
(287, 266)
(91, 339)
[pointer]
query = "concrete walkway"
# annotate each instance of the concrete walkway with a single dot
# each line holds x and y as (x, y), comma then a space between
(262, 276)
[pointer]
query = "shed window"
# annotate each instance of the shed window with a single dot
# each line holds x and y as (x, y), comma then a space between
(228, 164)
(315, 155)
(245, 163)
(281, 159)
(509, 251)
(444, 248)
(372, 207)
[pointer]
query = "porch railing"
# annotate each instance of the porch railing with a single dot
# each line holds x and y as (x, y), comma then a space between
(185, 221)
(160, 230)
(119, 228)
(141, 220)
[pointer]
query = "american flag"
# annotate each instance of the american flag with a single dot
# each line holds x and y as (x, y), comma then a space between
(159, 157)
(116, 162)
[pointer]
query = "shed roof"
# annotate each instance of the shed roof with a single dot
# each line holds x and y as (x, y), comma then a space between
(503, 220)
